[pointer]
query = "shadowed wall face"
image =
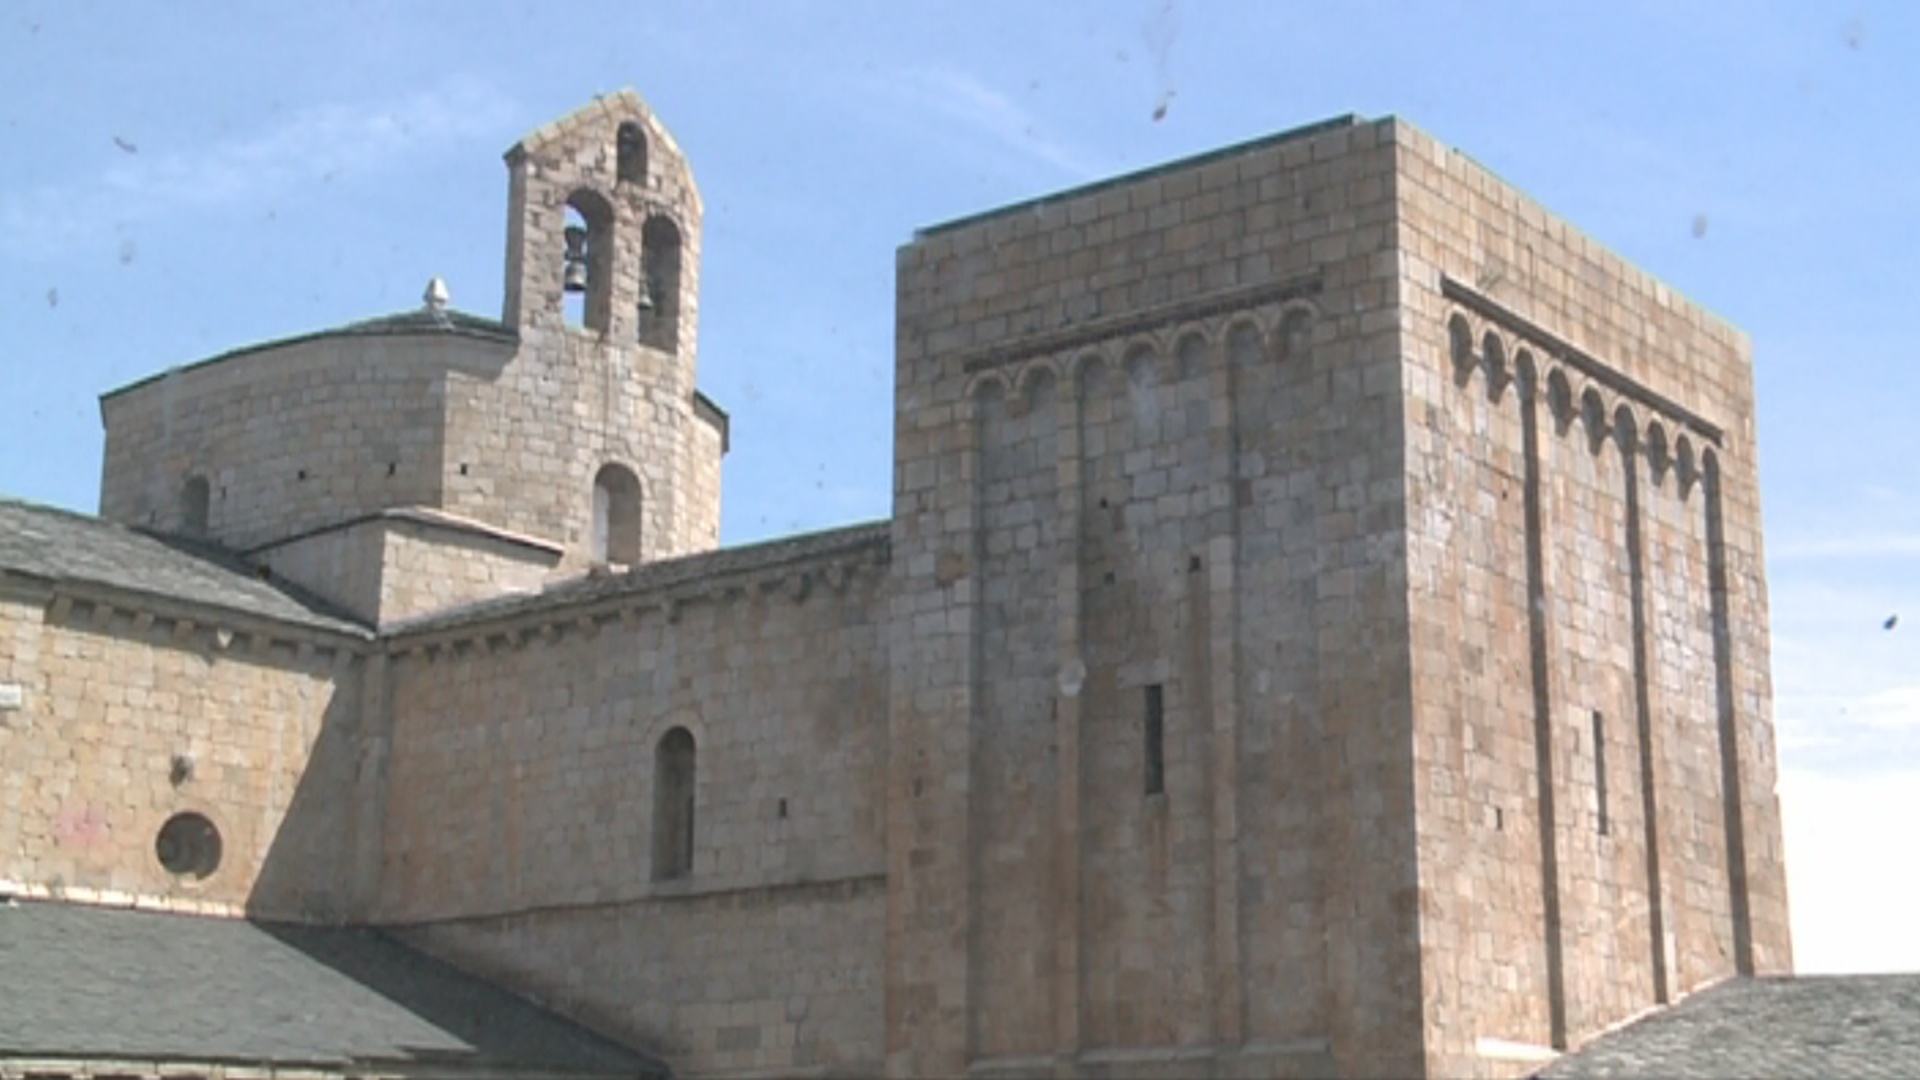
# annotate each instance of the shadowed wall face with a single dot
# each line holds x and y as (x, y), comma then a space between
(1598, 830)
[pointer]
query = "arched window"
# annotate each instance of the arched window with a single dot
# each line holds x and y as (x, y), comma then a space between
(660, 284)
(673, 791)
(586, 265)
(631, 142)
(195, 505)
(616, 516)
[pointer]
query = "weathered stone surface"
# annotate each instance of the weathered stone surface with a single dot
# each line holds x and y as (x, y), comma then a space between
(1320, 630)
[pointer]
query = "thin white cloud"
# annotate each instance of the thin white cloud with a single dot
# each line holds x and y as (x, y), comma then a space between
(966, 100)
(1873, 719)
(1870, 546)
(1896, 709)
(310, 145)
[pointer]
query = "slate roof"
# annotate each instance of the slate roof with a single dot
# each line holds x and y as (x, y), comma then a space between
(61, 546)
(1808, 1027)
(102, 983)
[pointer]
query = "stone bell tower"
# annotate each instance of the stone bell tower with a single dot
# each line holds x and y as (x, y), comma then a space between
(617, 454)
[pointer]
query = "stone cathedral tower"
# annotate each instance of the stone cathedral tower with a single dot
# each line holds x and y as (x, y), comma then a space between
(435, 457)
(1321, 630)
(1330, 635)
(603, 265)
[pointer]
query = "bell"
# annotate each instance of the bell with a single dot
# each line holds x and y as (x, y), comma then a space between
(576, 243)
(646, 298)
(574, 278)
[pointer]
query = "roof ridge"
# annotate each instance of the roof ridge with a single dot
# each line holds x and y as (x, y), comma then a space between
(415, 321)
(88, 551)
(712, 568)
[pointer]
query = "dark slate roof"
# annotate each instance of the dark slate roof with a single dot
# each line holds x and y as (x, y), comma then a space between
(401, 324)
(1816, 1027)
(663, 575)
(62, 546)
(99, 983)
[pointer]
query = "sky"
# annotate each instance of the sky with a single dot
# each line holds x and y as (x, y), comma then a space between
(183, 179)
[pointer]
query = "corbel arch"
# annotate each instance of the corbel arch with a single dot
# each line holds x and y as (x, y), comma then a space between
(1686, 468)
(1293, 330)
(1593, 419)
(1092, 372)
(1036, 381)
(985, 385)
(1626, 432)
(1193, 353)
(1658, 453)
(1460, 349)
(1246, 341)
(1144, 363)
(1526, 372)
(1493, 358)
(1559, 399)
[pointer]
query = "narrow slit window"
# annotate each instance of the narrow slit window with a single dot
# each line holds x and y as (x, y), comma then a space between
(1600, 769)
(1155, 739)
(195, 506)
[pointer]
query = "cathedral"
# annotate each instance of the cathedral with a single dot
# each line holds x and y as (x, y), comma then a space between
(1321, 630)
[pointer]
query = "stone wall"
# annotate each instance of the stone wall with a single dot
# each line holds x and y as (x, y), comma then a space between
(524, 835)
(433, 565)
(1321, 629)
(1585, 560)
(130, 718)
(1147, 710)
(406, 563)
(343, 565)
(290, 438)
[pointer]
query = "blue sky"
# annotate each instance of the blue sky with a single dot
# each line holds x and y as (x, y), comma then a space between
(182, 179)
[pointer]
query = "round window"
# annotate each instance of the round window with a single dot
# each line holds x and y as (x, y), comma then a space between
(188, 845)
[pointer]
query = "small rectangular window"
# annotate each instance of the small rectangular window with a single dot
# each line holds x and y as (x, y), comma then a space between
(1155, 732)
(1600, 769)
